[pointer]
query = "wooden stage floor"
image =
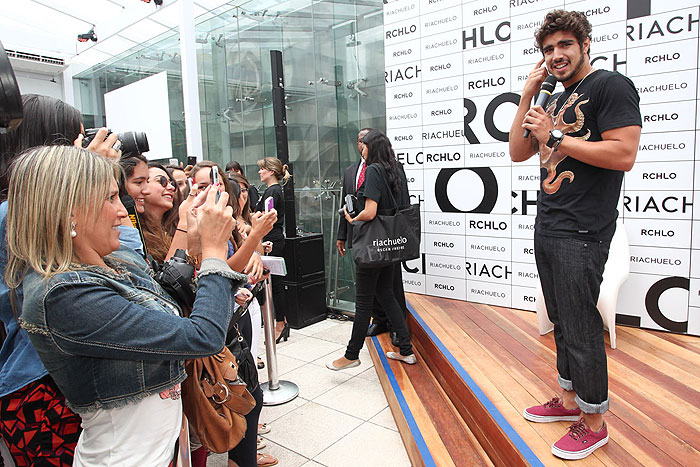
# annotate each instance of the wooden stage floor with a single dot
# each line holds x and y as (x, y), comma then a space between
(654, 381)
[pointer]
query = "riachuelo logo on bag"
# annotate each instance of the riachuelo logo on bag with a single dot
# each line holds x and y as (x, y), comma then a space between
(389, 244)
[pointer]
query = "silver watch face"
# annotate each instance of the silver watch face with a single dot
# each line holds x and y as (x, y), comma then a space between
(557, 134)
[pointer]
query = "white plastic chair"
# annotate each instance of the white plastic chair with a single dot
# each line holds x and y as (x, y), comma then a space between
(617, 269)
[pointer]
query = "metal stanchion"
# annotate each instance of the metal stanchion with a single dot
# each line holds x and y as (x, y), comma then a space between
(275, 391)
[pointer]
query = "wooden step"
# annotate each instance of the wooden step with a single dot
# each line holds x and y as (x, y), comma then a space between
(432, 429)
(492, 363)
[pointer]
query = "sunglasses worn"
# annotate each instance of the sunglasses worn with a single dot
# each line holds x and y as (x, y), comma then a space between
(164, 181)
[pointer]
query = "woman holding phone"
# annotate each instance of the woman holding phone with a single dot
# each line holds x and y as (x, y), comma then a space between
(111, 338)
(272, 172)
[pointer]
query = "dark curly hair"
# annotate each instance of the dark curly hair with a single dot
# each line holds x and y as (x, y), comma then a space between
(574, 22)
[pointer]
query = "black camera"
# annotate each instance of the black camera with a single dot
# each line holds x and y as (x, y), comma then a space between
(351, 205)
(176, 277)
(133, 142)
(10, 98)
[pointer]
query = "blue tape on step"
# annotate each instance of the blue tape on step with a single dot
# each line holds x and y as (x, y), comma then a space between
(407, 414)
(524, 449)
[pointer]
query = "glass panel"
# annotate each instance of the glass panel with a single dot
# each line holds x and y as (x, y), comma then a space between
(333, 55)
(160, 54)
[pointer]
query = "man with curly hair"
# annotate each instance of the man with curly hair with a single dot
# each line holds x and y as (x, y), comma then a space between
(587, 137)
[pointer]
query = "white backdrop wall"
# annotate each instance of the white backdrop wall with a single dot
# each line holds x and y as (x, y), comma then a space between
(454, 71)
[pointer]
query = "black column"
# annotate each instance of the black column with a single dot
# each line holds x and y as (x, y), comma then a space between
(280, 120)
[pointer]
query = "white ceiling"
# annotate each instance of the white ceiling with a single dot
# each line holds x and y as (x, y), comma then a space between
(51, 27)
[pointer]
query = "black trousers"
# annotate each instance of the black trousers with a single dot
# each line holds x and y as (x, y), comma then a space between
(379, 283)
(245, 454)
(378, 315)
(277, 289)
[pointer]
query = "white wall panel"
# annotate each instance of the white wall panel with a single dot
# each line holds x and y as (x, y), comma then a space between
(455, 69)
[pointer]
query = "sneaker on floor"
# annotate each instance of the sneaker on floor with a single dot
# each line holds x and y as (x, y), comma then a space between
(551, 411)
(410, 359)
(580, 441)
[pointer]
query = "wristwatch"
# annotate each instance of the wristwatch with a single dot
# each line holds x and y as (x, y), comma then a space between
(555, 137)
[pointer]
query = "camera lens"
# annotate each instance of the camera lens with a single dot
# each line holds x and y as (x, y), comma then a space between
(133, 142)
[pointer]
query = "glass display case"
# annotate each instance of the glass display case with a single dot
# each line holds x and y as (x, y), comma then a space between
(333, 60)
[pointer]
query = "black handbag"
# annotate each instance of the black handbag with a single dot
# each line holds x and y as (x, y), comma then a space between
(387, 239)
(247, 367)
(239, 347)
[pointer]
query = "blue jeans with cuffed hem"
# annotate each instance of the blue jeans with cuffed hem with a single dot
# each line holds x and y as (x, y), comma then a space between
(571, 271)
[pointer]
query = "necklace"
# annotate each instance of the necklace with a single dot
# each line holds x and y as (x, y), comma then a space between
(573, 93)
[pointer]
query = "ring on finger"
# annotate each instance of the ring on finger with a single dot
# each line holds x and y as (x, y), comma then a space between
(117, 145)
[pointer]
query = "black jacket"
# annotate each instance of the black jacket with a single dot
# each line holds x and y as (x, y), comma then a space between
(349, 180)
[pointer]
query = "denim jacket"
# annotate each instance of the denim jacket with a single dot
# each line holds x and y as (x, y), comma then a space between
(19, 363)
(110, 337)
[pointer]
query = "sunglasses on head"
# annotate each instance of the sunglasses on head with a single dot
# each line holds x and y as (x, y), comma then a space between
(164, 181)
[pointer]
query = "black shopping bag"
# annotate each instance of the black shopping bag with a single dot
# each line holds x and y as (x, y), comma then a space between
(387, 239)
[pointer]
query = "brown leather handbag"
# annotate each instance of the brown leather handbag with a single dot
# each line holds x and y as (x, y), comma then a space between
(215, 401)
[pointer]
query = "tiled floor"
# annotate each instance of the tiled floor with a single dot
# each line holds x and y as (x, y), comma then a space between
(340, 418)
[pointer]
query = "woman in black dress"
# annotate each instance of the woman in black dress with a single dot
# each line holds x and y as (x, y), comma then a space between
(272, 172)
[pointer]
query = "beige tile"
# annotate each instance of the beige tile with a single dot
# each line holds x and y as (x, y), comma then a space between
(340, 333)
(217, 460)
(379, 447)
(312, 464)
(311, 428)
(314, 380)
(286, 457)
(316, 327)
(385, 419)
(370, 374)
(309, 349)
(358, 397)
(284, 365)
(270, 413)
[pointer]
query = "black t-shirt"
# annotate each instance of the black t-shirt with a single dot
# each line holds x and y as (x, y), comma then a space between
(278, 199)
(577, 199)
(253, 196)
(376, 188)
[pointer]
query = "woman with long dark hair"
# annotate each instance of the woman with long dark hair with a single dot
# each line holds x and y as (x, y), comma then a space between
(164, 229)
(385, 188)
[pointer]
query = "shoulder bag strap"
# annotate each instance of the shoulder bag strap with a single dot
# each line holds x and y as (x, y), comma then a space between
(386, 182)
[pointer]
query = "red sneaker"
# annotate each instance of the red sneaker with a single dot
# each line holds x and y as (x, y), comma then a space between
(580, 441)
(552, 411)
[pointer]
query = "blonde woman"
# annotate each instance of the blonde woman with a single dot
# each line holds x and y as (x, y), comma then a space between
(111, 338)
(272, 172)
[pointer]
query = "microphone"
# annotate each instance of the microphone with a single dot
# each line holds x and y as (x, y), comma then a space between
(545, 91)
